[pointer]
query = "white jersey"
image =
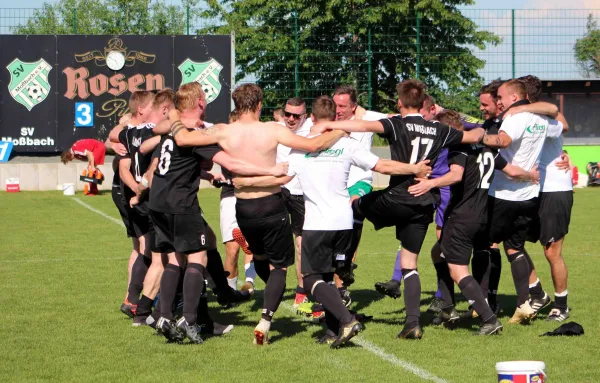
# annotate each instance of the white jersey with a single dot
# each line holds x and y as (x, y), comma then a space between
(528, 132)
(552, 179)
(323, 177)
(283, 153)
(365, 140)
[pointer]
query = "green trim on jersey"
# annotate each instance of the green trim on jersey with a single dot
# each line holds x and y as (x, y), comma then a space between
(360, 189)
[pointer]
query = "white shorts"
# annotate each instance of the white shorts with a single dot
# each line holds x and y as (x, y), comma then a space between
(228, 220)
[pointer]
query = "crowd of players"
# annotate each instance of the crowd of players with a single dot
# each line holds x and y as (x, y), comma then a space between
(299, 190)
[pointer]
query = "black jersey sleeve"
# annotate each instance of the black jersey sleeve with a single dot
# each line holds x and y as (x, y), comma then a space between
(123, 140)
(499, 162)
(157, 150)
(207, 152)
(389, 130)
(451, 137)
(456, 156)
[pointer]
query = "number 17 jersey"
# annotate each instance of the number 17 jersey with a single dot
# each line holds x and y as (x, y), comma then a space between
(413, 139)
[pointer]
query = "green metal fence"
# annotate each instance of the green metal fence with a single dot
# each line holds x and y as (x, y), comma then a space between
(289, 56)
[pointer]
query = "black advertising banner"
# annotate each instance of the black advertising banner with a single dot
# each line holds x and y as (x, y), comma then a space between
(207, 60)
(28, 93)
(90, 79)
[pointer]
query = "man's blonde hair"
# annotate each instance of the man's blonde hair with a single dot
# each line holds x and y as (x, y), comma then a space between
(139, 99)
(188, 95)
(166, 95)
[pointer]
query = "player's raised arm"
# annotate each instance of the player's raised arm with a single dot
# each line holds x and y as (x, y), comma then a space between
(350, 126)
(113, 136)
(149, 145)
(540, 107)
(393, 168)
(498, 141)
(243, 168)
(455, 175)
(286, 137)
(199, 137)
(473, 136)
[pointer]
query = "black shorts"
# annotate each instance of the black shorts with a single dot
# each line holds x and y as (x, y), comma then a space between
(139, 221)
(266, 225)
(460, 238)
(295, 207)
(117, 197)
(554, 216)
(411, 221)
(320, 250)
(511, 221)
(182, 233)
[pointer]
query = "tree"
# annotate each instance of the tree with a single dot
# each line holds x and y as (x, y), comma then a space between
(587, 50)
(313, 45)
(106, 17)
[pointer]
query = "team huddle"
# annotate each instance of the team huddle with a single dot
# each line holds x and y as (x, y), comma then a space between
(299, 190)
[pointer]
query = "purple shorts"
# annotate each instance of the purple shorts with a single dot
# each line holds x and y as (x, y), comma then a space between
(441, 208)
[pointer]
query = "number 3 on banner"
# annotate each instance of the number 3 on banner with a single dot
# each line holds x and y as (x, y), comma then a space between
(84, 114)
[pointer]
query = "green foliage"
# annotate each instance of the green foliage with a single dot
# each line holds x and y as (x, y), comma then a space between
(371, 44)
(587, 50)
(106, 17)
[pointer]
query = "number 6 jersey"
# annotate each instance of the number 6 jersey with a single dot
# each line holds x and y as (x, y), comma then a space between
(413, 139)
(177, 177)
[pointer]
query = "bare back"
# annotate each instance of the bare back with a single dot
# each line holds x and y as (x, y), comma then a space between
(256, 143)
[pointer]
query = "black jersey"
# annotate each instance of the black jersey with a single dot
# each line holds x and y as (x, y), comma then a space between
(413, 139)
(470, 196)
(177, 177)
(227, 190)
(132, 139)
(116, 183)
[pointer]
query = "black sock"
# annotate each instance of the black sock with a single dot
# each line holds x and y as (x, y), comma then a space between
(203, 314)
(168, 288)
(495, 271)
(262, 269)
(471, 290)
(412, 295)
(333, 325)
(561, 301)
(156, 312)
(145, 306)
(330, 298)
(481, 267)
(193, 288)
(536, 291)
(273, 293)
(300, 290)
(214, 266)
(447, 284)
(357, 229)
(138, 273)
(520, 272)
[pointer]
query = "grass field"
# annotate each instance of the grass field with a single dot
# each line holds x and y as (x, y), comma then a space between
(63, 270)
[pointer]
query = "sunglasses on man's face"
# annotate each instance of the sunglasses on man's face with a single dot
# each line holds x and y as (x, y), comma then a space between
(296, 116)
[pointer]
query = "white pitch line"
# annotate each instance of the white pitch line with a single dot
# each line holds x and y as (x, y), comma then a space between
(372, 348)
(62, 260)
(118, 222)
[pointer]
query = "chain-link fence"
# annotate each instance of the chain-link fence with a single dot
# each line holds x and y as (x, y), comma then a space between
(289, 54)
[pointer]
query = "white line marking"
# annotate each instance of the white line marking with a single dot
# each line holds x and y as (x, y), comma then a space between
(118, 222)
(423, 374)
(63, 260)
(372, 348)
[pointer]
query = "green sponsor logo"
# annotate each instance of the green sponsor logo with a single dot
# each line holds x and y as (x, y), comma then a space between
(536, 129)
(204, 73)
(326, 153)
(29, 84)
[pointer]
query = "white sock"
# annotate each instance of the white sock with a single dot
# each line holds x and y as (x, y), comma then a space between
(563, 294)
(250, 272)
(537, 281)
(232, 282)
